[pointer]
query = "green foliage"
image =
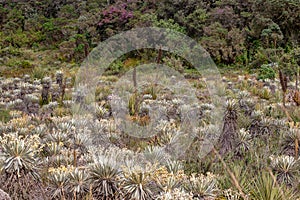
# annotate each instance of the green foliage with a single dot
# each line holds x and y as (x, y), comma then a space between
(49, 26)
(102, 93)
(295, 115)
(231, 31)
(153, 20)
(272, 33)
(54, 30)
(21, 39)
(259, 58)
(10, 51)
(38, 72)
(80, 48)
(4, 115)
(19, 63)
(223, 44)
(264, 188)
(170, 24)
(14, 20)
(68, 12)
(134, 104)
(115, 68)
(266, 72)
(195, 21)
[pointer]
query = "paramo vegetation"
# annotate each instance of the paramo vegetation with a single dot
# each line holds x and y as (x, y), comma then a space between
(46, 152)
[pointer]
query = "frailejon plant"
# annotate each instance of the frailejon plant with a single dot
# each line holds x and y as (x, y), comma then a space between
(265, 94)
(286, 168)
(79, 183)
(174, 166)
(291, 142)
(230, 194)
(168, 181)
(177, 193)
(100, 111)
(46, 82)
(58, 180)
(19, 161)
(20, 158)
(283, 82)
(230, 127)
(59, 76)
(243, 142)
(245, 103)
(136, 183)
(154, 154)
(104, 176)
(202, 186)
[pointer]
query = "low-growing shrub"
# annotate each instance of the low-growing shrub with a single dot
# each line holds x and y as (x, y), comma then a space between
(266, 72)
